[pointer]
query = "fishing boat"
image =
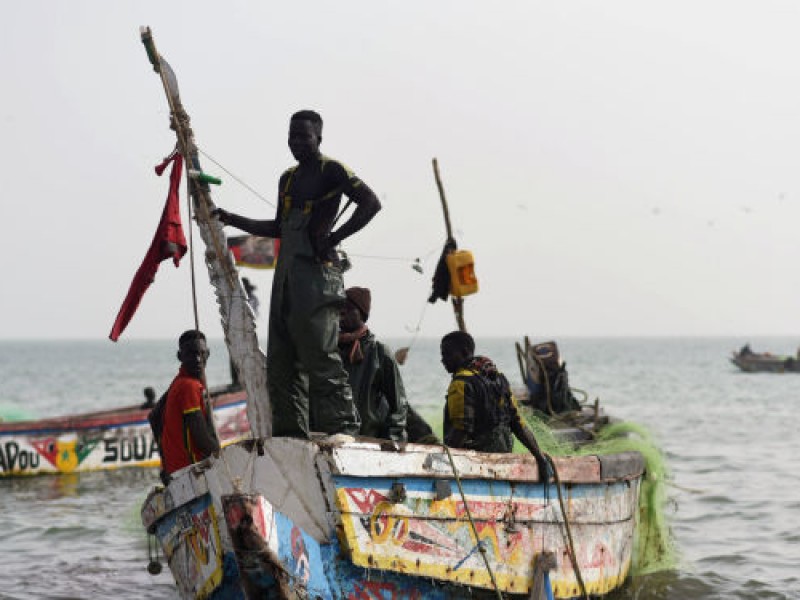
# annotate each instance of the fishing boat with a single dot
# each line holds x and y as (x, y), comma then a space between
(764, 362)
(100, 440)
(343, 517)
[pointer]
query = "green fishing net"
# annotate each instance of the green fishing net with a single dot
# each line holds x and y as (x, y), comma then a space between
(654, 548)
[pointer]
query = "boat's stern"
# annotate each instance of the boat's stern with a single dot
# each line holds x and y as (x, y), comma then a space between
(185, 521)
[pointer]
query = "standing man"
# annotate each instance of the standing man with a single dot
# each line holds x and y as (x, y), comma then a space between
(188, 434)
(481, 413)
(307, 383)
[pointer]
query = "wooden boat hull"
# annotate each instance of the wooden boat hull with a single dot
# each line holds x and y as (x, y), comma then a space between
(765, 363)
(100, 440)
(355, 520)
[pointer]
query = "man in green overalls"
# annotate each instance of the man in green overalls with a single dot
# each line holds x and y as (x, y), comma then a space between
(375, 377)
(306, 380)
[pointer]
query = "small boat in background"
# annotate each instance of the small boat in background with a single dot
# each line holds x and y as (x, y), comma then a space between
(100, 440)
(764, 362)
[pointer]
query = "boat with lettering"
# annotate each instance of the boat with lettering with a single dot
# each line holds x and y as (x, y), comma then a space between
(335, 517)
(101, 440)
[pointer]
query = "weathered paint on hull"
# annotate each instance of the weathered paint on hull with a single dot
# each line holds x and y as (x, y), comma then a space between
(191, 545)
(432, 537)
(191, 542)
(99, 441)
(353, 521)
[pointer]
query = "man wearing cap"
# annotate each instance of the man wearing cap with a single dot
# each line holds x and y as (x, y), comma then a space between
(306, 380)
(375, 378)
(373, 374)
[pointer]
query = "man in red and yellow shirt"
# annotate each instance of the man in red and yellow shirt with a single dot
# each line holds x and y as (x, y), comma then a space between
(188, 435)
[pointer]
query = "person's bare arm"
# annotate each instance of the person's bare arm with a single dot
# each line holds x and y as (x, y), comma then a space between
(367, 206)
(269, 228)
(205, 440)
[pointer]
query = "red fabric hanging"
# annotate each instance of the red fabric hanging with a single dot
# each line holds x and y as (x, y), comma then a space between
(168, 241)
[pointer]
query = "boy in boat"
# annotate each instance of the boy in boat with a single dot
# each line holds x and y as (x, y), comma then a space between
(149, 398)
(481, 413)
(375, 378)
(188, 433)
(307, 383)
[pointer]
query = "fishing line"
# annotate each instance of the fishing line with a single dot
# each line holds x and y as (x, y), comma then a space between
(402, 353)
(235, 178)
(191, 246)
(244, 184)
(377, 257)
(417, 262)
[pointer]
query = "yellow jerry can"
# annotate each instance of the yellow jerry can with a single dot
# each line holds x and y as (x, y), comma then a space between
(461, 265)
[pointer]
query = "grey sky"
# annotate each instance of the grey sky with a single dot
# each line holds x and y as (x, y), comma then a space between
(616, 167)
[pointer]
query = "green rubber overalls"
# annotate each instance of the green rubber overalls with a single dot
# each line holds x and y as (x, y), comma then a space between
(306, 380)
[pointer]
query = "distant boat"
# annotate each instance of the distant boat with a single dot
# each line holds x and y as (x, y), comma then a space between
(764, 362)
(102, 440)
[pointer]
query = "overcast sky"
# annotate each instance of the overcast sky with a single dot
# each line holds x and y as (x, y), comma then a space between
(617, 168)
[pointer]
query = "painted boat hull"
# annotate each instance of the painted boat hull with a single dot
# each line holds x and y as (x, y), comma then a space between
(353, 519)
(101, 440)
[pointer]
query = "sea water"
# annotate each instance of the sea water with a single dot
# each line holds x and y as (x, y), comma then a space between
(730, 440)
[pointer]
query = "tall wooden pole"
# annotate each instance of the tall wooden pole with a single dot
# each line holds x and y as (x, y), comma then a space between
(458, 301)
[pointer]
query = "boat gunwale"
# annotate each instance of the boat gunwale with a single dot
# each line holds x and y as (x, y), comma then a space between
(128, 416)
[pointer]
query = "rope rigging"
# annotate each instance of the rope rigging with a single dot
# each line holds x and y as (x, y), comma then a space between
(236, 179)
(417, 263)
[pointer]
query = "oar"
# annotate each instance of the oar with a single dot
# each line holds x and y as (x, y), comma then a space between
(401, 355)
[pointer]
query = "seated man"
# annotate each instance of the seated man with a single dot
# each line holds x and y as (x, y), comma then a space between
(481, 413)
(188, 434)
(372, 371)
(375, 378)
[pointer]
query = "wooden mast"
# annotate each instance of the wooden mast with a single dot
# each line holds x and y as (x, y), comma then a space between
(236, 314)
(458, 301)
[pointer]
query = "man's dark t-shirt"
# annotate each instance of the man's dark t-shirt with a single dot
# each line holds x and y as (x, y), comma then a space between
(316, 188)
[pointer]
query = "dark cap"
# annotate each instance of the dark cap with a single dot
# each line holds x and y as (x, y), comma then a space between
(361, 297)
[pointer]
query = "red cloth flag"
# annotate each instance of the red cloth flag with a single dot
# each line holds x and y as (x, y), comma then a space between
(168, 241)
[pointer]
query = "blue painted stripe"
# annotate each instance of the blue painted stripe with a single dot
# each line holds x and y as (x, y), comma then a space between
(481, 487)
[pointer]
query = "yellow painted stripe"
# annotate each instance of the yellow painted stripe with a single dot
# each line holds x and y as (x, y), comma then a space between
(384, 558)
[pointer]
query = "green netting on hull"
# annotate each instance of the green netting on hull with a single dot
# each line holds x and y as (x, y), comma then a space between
(654, 548)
